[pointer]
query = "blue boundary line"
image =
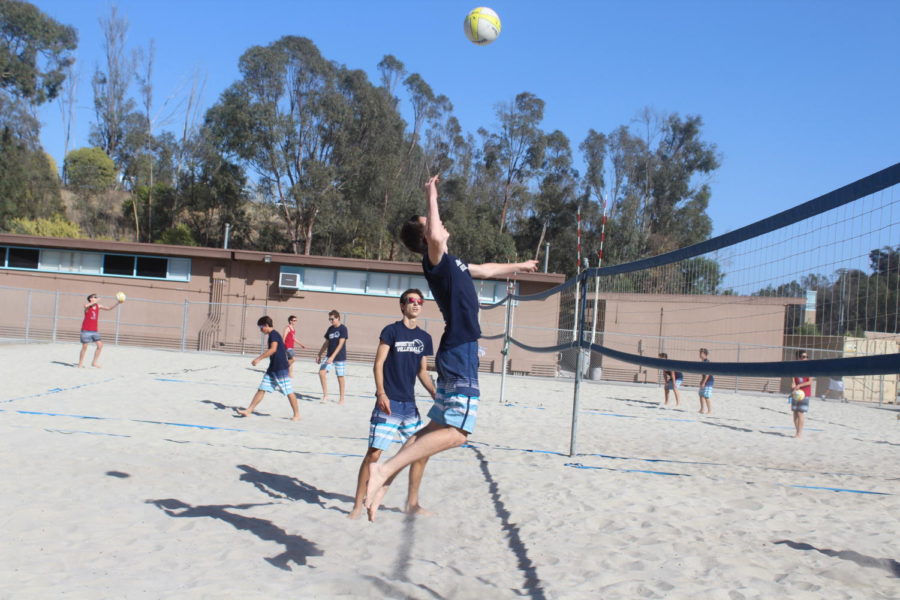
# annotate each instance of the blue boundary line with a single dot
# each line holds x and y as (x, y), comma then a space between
(60, 390)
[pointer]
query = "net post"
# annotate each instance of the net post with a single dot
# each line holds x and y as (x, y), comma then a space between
(579, 367)
(505, 350)
(55, 314)
(28, 317)
(184, 324)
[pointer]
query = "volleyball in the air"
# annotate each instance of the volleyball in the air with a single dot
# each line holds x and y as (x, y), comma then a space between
(798, 395)
(482, 26)
(120, 296)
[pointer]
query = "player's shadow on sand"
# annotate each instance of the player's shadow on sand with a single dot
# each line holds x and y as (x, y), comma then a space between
(65, 364)
(220, 406)
(284, 487)
(777, 433)
(888, 564)
(732, 427)
(296, 548)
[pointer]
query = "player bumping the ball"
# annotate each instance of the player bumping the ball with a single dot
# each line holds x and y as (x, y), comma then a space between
(455, 408)
(801, 390)
(90, 326)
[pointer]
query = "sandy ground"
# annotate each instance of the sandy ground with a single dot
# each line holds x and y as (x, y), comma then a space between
(137, 481)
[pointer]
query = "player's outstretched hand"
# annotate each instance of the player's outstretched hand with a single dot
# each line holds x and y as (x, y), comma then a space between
(529, 266)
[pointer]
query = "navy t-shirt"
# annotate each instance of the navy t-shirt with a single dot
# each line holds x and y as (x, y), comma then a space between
(454, 291)
(333, 335)
(712, 380)
(407, 347)
(278, 362)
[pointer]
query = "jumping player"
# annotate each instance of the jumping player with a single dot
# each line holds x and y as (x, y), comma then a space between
(455, 407)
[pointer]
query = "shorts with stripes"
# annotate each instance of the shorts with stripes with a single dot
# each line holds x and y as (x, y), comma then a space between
(339, 367)
(384, 428)
(456, 410)
(674, 385)
(705, 391)
(277, 382)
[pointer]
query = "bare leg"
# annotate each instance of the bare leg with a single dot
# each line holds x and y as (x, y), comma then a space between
(702, 406)
(429, 441)
(708, 406)
(292, 398)
(291, 368)
(666, 397)
(416, 470)
(677, 398)
(799, 418)
(257, 398)
(372, 456)
(84, 348)
(341, 387)
(324, 381)
(97, 352)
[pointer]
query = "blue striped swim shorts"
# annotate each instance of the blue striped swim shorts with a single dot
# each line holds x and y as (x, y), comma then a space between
(456, 410)
(339, 367)
(384, 428)
(277, 382)
(705, 391)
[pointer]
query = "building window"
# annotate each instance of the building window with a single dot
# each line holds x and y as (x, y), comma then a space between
(95, 263)
(148, 266)
(371, 283)
(23, 258)
(117, 264)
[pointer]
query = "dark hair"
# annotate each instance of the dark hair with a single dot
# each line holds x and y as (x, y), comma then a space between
(265, 320)
(704, 351)
(91, 296)
(412, 235)
(800, 353)
(663, 355)
(334, 313)
(404, 295)
(291, 318)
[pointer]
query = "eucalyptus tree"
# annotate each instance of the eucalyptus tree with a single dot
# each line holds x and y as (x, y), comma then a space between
(111, 102)
(510, 152)
(35, 52)
(278, 120)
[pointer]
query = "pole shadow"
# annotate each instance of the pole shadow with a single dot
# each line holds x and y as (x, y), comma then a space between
(532, 585)
(296, 548)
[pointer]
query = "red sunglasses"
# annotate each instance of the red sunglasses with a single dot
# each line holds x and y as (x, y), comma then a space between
(416, 301)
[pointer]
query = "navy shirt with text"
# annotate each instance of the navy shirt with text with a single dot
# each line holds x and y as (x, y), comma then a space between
(333, 335)
(407, 347)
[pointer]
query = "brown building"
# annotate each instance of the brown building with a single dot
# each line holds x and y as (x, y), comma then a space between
(210, 298)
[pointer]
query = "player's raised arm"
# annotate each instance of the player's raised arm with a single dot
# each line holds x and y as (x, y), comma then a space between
(436, 235)
(491, 270)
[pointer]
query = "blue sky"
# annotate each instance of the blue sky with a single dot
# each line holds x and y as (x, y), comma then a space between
(799, 96)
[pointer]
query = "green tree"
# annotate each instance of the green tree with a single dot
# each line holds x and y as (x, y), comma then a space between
(56, 226)
(90, 171)
(111, 103)
(179, 235)
(35, 51)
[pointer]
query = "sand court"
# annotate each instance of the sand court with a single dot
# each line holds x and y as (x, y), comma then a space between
(137, 480)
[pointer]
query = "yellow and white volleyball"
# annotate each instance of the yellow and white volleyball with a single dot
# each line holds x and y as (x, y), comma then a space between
(120, 296)
(482, 26)
(798, 395)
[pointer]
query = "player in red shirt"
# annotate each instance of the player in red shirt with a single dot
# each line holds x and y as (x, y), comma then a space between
(89, 331)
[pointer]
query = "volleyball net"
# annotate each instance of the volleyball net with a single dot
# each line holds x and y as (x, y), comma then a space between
(823, 277)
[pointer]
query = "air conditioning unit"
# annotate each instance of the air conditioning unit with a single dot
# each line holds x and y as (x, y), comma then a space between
(290, 281)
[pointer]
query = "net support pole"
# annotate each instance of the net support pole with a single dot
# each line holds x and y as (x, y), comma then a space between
(28, 317)
(579, 367)
(184, 326)
(55, 315)
(505, 350)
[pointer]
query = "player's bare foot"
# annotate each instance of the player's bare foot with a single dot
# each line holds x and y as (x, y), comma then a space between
(375, 488)
(96, 366)
(243, 412)
(296, 418)
(417, 510)
(356, 512)
(340, 402)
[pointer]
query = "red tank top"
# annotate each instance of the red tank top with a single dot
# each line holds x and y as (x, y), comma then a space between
(91, 313)
(807, 388)
(289, 338)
